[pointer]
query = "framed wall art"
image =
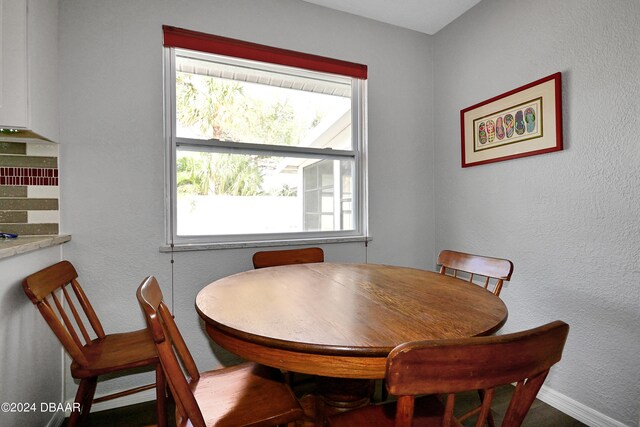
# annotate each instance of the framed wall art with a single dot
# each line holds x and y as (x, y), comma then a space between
(522, 122)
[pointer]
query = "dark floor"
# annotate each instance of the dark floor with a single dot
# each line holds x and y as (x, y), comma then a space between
(540, 414)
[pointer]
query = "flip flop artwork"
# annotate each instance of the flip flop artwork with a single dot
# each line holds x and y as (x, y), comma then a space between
(519, 122)
(530, 118)
(499, 128)
(482, 133)
(491, 131)
(508, 122)
(522, 122)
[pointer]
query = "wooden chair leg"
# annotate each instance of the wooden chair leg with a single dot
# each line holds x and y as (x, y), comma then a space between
(161, 397)
(490, 416)
(88, 402)
(288, 377)
(490, 422)
(75, 415)
(384, 394)
(84, 397)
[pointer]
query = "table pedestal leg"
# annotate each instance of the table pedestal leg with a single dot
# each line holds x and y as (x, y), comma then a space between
(333, 396)
(343, 394)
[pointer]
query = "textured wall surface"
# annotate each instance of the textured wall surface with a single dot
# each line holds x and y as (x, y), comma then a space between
(112, 146)
(30, 355)
(569, 220)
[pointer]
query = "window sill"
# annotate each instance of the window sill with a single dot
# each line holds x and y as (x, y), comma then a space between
(184, 247)
(24, 244)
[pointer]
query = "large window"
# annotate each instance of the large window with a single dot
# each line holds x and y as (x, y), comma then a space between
(263, 144)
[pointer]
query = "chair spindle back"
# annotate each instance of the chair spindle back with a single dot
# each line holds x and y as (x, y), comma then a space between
(172, 350)
(451, 366)
(48, 290)
(264, 259)
(475, 265)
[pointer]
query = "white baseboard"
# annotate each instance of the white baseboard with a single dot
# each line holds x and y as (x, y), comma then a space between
(576, 410)
(132, 399)
(56, 420)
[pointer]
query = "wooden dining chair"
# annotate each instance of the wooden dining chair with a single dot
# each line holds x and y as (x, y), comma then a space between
(494, 270)
(243, 395)
(264, 259)
(94, 353)
(451, 366)
(458, 264)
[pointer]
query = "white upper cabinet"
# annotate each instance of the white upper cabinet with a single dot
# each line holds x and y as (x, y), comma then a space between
(13, 57)
(29, 70)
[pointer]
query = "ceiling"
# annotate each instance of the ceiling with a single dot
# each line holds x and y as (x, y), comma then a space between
(426, 16)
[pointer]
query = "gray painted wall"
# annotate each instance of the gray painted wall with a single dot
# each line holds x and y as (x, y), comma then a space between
(30, 355)
(569, 220)
(112, 145)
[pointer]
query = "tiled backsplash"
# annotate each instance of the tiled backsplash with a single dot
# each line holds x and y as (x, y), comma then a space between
(29, 191)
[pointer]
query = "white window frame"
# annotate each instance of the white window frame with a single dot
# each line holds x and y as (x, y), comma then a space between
(358, 154)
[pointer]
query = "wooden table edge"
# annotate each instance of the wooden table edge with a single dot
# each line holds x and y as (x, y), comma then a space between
(336, 366)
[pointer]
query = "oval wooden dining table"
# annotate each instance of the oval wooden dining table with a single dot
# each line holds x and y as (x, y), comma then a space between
(341, 320)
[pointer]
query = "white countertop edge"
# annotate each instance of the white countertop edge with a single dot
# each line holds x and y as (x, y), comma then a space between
(183, 247)
(24, 244)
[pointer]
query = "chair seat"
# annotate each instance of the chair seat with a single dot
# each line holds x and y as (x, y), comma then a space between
(65, 307)
(428, 413)
(242, 394)
(116, 352)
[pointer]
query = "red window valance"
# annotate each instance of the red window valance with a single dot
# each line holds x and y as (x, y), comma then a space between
(187, 39)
